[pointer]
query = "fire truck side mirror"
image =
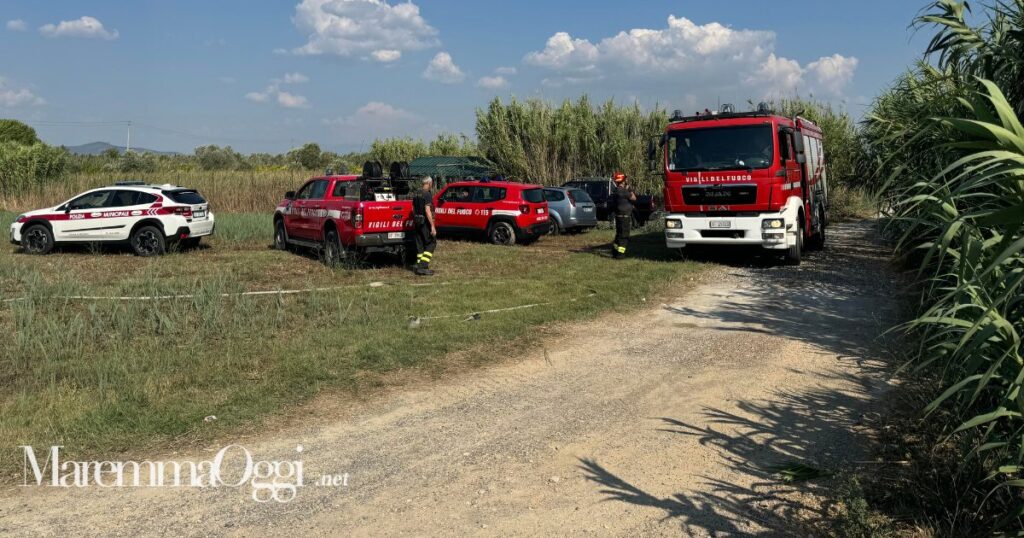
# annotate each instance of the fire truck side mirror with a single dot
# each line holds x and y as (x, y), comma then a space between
(798, 147)
(652, 155)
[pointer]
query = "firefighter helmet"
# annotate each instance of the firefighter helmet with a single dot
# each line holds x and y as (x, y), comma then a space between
(619, 177)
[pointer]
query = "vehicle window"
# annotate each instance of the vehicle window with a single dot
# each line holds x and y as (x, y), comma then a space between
(345, 189)
(722, 148)
(534, 196)
(783, 146)
(488, 194)
(189, 197)
(93, 200)
(304, 192)
(319, 190)
(581, 196)
(552, 195)
(458, 194)
(120, 199)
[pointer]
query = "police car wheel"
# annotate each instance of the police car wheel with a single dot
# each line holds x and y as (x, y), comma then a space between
(148, 241)
(37, 239)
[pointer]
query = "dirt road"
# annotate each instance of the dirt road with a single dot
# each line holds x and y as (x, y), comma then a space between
(661, 423)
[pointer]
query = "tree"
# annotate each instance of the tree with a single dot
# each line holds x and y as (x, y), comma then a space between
(217, 158)
(308, 156)
(16, 131)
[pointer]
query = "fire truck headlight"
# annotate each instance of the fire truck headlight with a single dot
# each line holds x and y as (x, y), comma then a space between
(772, 224)
(673, 224)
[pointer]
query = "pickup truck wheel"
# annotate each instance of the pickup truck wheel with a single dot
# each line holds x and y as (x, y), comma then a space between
(148, 241)
(502, 233)
(37, 239)
(280, 236)
(332, 248)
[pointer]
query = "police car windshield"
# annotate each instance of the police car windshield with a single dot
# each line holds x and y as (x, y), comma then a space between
(746, 147)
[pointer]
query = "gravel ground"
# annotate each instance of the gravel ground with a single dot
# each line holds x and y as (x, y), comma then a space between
(658, 423)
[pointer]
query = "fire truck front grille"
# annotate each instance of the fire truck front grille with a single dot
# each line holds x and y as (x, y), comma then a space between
(720, 194)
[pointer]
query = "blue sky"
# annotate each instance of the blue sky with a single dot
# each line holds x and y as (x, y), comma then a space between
(264, 76)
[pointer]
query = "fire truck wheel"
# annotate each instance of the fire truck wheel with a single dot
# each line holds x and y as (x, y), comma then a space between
(332, 248)
(817, 241)
(502, 233)
(37, 239)
(280, 236)
(148, 241)
(795, 253)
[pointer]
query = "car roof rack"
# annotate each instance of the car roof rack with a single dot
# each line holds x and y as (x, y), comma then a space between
(129, 183)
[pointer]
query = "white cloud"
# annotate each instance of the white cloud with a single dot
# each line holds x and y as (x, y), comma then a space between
(11, 97)
(258, 97)
(373, 114)
(785, 76)
(273, 92)
(385, 55)
(710, 59)
(442, 69)
(17, 25)
(367, 28)
(295, 78)
(289, 100)
(833, 73)
(88, 27)
(492, 83)
(506, 71)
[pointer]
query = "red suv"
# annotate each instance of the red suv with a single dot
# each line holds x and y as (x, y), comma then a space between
(505, 212)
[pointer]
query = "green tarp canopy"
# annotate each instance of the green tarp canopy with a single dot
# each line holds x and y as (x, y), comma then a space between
(452, 167)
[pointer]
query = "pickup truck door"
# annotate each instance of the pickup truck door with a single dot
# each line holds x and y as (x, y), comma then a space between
(316, 210)
(300, 220)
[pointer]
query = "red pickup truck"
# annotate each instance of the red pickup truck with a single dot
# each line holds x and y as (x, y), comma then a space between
(347, 216)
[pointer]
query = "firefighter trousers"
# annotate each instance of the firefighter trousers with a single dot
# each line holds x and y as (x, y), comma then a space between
(425, 245)
(623, 226)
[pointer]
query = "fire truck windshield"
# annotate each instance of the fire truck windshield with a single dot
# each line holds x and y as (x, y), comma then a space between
(745, 147)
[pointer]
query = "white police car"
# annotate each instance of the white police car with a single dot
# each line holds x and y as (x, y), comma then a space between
(147, 217)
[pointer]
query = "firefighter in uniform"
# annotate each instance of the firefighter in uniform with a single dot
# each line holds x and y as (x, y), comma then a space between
(623, 205)
(424, 232)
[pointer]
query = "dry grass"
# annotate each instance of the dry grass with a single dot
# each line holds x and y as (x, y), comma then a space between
(227, 191)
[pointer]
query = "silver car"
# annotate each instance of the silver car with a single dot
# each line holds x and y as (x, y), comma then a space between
(571, 209)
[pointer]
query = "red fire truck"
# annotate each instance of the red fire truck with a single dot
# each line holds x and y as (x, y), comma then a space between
(744, 178)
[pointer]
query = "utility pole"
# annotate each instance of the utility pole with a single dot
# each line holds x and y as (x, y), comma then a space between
(128, 145)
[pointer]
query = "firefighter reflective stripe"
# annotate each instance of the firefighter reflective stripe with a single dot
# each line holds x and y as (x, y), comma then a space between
(621, 250)
(425, 257)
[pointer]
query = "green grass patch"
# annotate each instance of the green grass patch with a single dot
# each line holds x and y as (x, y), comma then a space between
(103, 376)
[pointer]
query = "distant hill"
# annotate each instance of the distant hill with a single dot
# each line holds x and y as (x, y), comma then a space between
(97, 148)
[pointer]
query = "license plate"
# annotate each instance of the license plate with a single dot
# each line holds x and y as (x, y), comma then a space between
(199, 214)
(396, 235)
(719, 224)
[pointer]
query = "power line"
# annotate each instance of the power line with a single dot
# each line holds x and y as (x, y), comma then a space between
(130, 124)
